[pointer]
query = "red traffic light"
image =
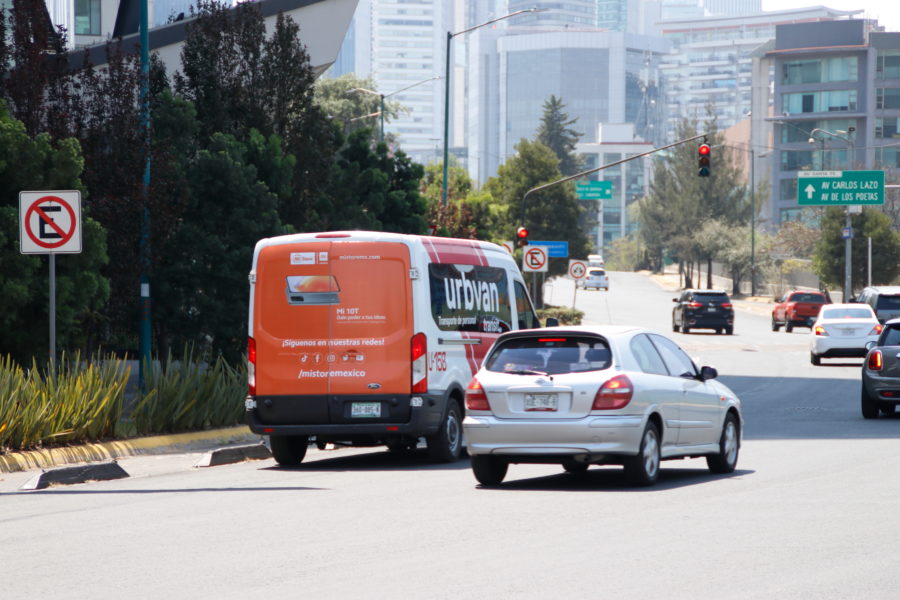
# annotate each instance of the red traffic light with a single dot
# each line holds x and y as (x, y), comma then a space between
(703, 150)
(522, 236)
(704, 153)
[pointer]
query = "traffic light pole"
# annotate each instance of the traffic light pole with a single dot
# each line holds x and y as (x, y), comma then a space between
(594, 170)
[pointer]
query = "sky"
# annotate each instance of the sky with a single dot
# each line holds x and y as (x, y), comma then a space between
(887, 11)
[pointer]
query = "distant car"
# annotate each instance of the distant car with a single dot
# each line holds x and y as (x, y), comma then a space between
(595, 278)
(884, 300)
(703, 309)
(797, 309)
(842, 330)
(577, 396)
(881, 373)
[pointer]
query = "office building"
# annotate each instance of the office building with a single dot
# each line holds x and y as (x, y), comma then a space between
(836, 104)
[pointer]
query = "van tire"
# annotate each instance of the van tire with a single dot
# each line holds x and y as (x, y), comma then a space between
(289, 450)
(446, 444)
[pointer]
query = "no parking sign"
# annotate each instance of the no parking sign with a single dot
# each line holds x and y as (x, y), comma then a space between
(50, 222)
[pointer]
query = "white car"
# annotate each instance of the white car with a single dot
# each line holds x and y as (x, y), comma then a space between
(596, 278)
(842, 330)
(578, 396)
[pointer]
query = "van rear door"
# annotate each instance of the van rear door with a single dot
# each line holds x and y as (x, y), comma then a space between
(331, 318)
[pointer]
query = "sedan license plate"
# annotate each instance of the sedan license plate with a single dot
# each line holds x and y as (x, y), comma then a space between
(711, 309)
(365, 409)
(541, 402)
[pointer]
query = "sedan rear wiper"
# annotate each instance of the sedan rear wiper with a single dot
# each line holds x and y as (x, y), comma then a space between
(526, 372)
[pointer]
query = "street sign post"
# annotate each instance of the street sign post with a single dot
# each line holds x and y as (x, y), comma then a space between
(593, 190)
(840, 188)
(554, 249)
(50, 223)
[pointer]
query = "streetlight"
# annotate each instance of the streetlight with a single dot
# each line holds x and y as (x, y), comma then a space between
(847, 242)
(382, 97)
(450, 36)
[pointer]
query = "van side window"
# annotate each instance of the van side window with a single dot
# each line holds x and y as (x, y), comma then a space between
(469, 298)
(527, 318)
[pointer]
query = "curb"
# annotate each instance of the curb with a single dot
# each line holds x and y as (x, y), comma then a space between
(234, 454)
(160, 444)
(80, 474)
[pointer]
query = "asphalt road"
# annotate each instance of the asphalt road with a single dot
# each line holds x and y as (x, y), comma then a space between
(808, 514)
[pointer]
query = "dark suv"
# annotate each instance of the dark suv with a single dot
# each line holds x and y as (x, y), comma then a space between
(703, 309)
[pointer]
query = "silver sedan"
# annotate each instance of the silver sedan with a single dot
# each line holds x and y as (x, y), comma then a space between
(578, 396)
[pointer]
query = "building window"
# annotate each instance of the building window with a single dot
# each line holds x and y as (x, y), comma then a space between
(887, 158)
(810, 102)
(820, 71)
(886, 127)
(788, 190)
(887, 98)
(799, 134)
(887, 66)
(87, 17)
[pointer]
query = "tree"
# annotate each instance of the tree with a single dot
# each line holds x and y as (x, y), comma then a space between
(556, 133)
(456, 219)
(679, 202)
(796, 239)
(551, 214)
(40, 164)
(828, 260)
(334, 97)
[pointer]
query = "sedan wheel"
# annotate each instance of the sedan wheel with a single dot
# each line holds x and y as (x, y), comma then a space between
(489, 470)
(643, 469)
(575, 467)
(729, 444)
(815, 359)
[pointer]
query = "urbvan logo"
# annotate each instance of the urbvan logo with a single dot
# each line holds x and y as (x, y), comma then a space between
(465, 294)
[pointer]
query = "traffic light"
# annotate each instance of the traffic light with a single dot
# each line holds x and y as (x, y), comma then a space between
(704, 155)
(522, 237)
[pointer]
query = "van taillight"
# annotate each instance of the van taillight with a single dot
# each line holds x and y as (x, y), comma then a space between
(419, 359)
(875, 361)
(615, 393)
(251, 366)
(476, 399)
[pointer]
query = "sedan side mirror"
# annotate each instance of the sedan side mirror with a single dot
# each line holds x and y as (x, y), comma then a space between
(708, 373)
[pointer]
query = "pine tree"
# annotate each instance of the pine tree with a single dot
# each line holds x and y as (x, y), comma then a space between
(556, 133)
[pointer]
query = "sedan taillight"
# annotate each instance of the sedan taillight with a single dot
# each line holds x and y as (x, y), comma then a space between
(725, 305)
(819, 330)
(875, 361)
(476, 399)
(615, 393)
(876, 330)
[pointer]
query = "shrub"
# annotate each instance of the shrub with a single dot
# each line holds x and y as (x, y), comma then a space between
(564, 314)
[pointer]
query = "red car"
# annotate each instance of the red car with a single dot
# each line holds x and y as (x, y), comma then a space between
(797, 309)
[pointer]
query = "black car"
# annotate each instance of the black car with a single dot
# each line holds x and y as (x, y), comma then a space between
(703, 309)
(881, 373)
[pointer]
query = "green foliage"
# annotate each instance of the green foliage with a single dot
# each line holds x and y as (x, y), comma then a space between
(828, 259)
(551, 214)
(564, 314)
(81, 401)
(556, 133)
(188, 394)
(41, 164)
(202, 272)
(346, 107)
(625, 254)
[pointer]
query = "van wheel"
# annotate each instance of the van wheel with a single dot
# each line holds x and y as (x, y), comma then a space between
(446, 444)
(289, 450)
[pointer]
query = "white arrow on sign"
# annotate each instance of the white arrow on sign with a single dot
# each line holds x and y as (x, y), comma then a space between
(810, 190)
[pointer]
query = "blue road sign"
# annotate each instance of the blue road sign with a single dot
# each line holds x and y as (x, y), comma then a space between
(554, 249)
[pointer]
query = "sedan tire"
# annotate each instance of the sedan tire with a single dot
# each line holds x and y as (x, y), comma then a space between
(489, 470)
(575, 467)
(815, 359)
(729, 445)
(643, 469)
(868, 405)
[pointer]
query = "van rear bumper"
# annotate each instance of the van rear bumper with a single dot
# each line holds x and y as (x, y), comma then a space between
(422, 420)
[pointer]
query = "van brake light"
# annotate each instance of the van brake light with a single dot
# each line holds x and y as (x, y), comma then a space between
(419, 360)
(251, 366)
(476, 399)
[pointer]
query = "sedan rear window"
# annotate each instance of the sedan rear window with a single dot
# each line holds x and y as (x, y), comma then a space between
(847, 313)
(551, 355)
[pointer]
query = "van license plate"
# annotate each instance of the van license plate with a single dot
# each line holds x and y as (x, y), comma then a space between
(365, 409)
(541, 402)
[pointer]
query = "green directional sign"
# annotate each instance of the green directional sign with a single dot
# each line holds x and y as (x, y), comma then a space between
(840, 188)
(594, 190)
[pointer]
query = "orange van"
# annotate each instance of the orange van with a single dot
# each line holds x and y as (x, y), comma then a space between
(370, 338)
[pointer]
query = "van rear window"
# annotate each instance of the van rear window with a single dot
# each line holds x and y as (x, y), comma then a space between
(469, 298)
